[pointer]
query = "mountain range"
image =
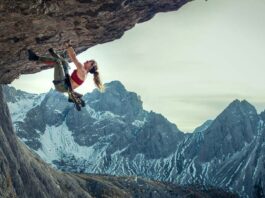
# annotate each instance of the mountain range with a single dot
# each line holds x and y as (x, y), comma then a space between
(113, 134)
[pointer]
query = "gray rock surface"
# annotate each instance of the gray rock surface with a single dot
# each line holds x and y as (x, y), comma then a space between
(203, 127)
(44, 24)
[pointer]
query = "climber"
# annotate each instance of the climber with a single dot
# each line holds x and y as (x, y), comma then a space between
(78, 76)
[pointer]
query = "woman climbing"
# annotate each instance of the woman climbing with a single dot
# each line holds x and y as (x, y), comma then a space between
(62, 81)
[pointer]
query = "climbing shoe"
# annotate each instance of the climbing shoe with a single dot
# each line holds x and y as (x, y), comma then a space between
(32, 56)
(51, 50)
(70, 100)
(78, 95)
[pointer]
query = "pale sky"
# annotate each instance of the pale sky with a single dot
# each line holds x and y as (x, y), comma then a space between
(187, 65)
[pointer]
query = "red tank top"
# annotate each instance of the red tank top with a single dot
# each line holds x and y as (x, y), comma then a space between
(75, 78)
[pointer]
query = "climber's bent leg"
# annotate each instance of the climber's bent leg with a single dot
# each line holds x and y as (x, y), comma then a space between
(59, 57)
(59, 69)
(47, 60)
(59, 77)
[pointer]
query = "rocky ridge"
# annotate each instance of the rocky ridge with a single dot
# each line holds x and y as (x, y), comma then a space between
(109, 139)
(24, 174)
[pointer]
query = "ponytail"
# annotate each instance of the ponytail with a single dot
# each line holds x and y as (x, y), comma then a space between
(98, 82)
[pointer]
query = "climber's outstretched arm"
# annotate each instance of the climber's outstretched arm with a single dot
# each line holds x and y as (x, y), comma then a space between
(72, 55)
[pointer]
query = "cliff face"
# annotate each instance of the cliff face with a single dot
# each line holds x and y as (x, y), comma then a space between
(44, 24)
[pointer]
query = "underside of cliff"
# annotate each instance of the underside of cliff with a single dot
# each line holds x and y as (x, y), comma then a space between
(41, 25)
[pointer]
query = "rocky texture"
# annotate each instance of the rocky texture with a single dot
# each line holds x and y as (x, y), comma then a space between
(230, 152)
(44, 24)
(231, 130)
(23, 174)
(115, 117)
(227, 152)
(203, 127)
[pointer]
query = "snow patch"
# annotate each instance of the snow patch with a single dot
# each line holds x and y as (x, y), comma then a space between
(20, 108)
(139, 123)
(58, 141)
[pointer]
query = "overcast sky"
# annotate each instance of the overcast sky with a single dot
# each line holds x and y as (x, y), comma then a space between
(187, 65)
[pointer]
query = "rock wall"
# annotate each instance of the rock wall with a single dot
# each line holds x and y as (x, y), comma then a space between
(41, 24)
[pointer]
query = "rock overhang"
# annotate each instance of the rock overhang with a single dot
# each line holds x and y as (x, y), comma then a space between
(44, 24)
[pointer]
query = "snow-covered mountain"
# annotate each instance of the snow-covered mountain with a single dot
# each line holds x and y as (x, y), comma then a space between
(113, 134)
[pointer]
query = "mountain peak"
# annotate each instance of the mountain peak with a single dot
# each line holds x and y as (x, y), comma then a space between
(51, 90)
(115, 85)
(243, 106)
(229, 132)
